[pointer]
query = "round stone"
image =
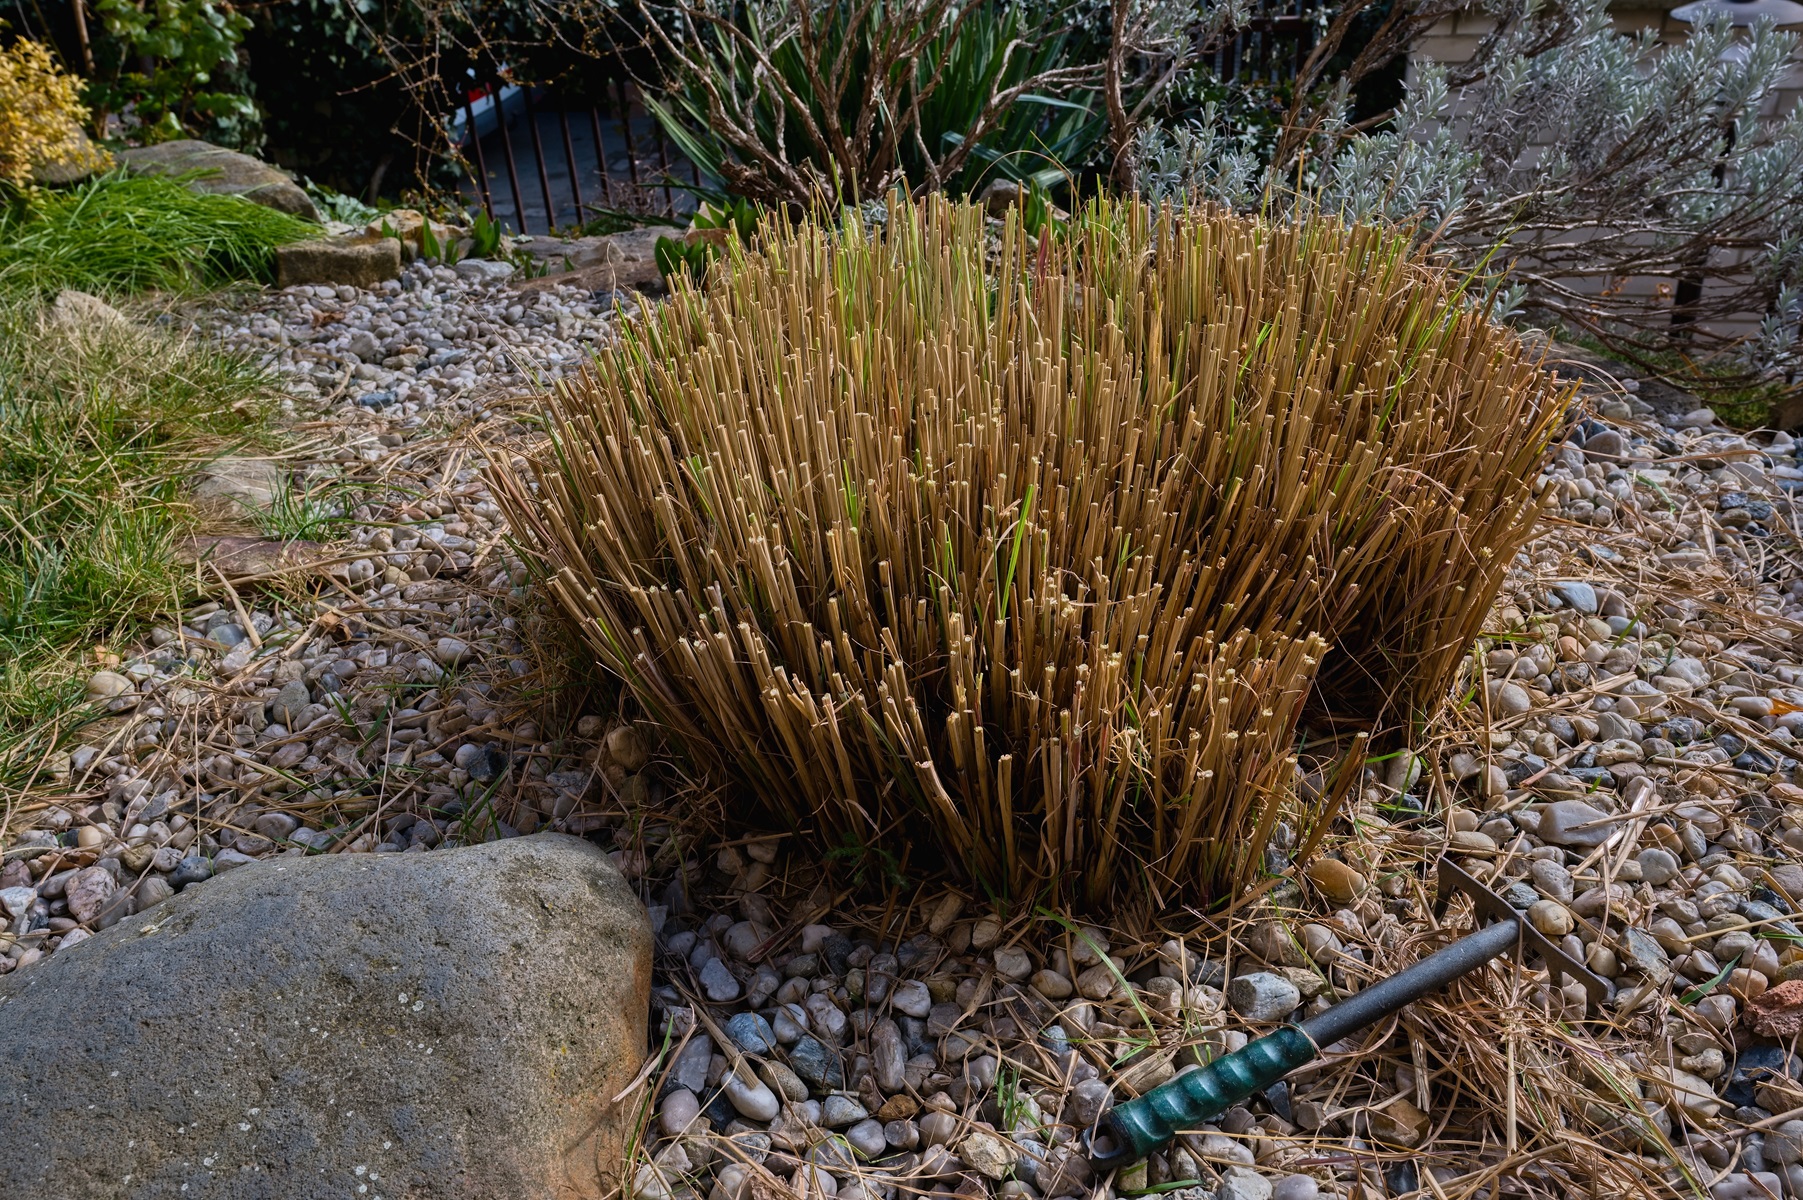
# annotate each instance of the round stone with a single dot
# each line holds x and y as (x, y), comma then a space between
(912, 998)
(1658, 867)
(1011, 962)
(105, 685)
(1337, 881)
(1296, 1187)
(1511, 700)
(753, 1100)
(838, 1111)
(1551, 918)
(751, 1033)
(678, 1112)
(868, 1138)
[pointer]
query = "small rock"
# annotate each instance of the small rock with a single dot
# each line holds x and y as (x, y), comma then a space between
(678, 1112)
(1510, 700)
(193, 869)
(751, 1033)
(838, 1111)
(276, 826)
(1560, 824)
(88, 893)
(1551, 918)
(626, 746)
(887, 1056)
(987, 1154)
(1243, 1183)
(1337, 881)
(105, 685)
(288, 703)
(483, 270)
(152, 891)
(1778, 1013)
(1690, 1093)
(17, 901)
(231, 860)
(451, 652)
(1296, 1187)
(1577, 595)
(1089, 1098)
(1642, 952)
(718, 981)
(1784, 1145)
(1011, 962)
(252, 483)
(818, 1064)
(1747, 1185)
(868, 1138)
(1399, 1123)
(1608, 446)
(1263, 996)
(753, 1100)
(1552, 879)
(912, 998)
(1657, 867)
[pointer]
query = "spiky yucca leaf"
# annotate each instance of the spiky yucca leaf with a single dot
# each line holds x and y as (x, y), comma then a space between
(1032, 553)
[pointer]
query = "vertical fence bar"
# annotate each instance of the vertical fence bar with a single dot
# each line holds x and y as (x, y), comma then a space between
(469, 108)
(569, 153)
(663, 162)
(513, 173)
(538, 151)
(607, 183)
(632, 154)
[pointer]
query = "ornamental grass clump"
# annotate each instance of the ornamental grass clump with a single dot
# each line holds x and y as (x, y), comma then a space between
(1035, 555)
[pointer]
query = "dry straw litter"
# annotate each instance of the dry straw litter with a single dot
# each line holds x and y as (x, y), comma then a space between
(1039, 550)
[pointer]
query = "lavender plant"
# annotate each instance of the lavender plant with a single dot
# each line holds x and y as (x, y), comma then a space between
(1582, 166)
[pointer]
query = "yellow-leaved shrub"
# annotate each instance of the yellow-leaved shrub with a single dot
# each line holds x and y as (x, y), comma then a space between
(41, 116)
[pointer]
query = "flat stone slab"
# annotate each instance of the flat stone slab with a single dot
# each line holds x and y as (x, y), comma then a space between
(451, 1024)
(250, 482)
(602, 263)
(357, 260)
(229, 173)
(241, 557)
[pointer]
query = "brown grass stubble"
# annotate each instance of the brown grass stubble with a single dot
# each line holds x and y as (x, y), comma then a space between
(1036, 549)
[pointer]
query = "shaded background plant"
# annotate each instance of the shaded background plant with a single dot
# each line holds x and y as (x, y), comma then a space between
(1041, 559)
(1636, 193)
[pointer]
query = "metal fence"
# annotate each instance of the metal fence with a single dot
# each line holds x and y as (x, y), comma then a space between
(540, 164)
(1269, 48)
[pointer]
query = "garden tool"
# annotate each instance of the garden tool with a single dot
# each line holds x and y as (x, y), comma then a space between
(1135, 1128)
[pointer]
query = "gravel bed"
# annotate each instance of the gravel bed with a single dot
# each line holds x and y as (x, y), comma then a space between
(1625, 772)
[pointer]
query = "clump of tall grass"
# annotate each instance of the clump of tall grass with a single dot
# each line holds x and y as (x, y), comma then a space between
(1039, 554)
(104, 422)
(121, 233)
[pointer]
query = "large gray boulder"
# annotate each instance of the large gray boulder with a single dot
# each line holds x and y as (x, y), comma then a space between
(228, 173)
(447, 1025)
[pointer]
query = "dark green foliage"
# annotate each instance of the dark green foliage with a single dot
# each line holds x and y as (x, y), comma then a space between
(959, 98)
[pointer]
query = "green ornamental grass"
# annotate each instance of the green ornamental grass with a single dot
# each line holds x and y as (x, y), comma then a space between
(118, 234)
